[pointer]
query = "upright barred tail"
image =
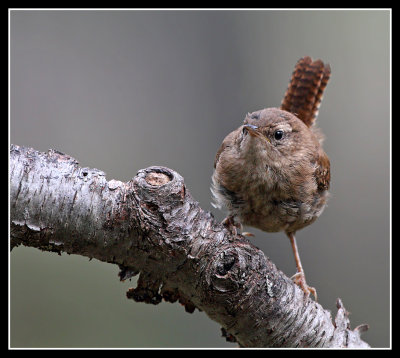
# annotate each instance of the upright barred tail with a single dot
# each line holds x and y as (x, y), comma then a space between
(306, 87)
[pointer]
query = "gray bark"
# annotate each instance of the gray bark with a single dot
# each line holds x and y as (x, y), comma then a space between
(152, 226)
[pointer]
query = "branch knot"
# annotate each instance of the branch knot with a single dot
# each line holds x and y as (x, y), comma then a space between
(161, 185)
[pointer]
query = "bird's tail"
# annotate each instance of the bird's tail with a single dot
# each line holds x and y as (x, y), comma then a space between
(306, 88)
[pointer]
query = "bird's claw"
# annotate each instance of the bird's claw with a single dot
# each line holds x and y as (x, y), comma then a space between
(300, 280)
(231, 225)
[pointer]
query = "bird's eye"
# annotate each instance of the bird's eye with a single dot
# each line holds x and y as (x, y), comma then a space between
(278, 135)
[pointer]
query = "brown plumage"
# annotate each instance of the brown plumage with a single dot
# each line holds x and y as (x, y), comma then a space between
(272, 173)
(305, 91)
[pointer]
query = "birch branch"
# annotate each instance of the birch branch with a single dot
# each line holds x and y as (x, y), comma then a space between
(152, 226)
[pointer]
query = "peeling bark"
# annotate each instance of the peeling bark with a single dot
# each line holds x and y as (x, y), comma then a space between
(152, 226)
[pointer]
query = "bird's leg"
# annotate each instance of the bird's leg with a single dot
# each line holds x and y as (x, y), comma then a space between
(299, 278)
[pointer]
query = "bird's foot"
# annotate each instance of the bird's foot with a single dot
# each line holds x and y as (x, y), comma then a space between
(234, 227)
(231, 225)
(300, 279)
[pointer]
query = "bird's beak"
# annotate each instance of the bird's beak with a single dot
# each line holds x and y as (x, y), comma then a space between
(255, 132)
(252, 129)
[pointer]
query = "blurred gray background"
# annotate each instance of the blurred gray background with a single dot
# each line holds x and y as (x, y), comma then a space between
(124, 90)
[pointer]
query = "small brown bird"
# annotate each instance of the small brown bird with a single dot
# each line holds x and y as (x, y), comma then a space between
(272, 173)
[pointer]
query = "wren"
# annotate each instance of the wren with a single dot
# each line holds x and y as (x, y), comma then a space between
(271, 173)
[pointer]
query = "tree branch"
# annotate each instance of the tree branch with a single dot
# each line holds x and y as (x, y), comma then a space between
(152, 226)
